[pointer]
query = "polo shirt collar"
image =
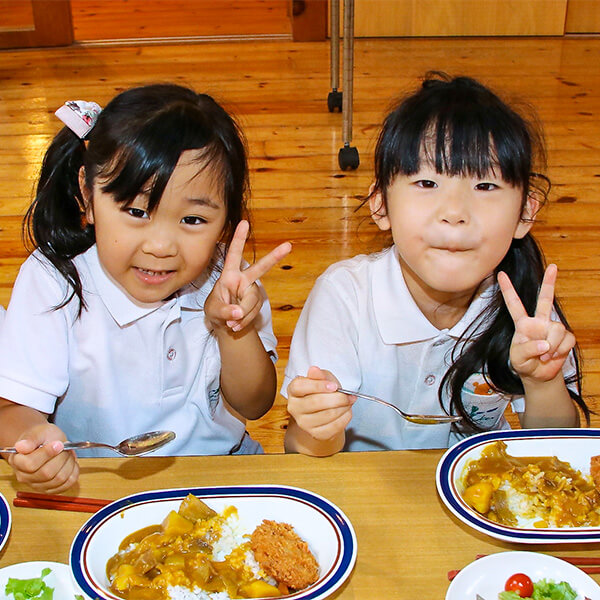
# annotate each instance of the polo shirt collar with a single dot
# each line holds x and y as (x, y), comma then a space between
(399, 319)
(123, 308)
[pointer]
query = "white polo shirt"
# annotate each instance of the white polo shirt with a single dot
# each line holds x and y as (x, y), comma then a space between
(361, 323)
(121, 368)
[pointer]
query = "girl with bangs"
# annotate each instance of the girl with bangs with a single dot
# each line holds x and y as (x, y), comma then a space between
(136, 311)
(458, 316)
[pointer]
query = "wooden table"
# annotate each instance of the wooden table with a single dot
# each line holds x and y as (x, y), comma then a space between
(407, 539)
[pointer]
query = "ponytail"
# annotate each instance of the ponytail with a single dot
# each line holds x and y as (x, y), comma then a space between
(485, 345)
(53, 222)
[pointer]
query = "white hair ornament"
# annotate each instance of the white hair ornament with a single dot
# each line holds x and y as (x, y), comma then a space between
(79, 116)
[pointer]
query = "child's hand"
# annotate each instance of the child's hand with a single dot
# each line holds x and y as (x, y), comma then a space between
(315, 405)
(41, 461)
(235, 301)
(539, 346)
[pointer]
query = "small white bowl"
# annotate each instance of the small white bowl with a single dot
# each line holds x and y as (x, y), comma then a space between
(487, 576)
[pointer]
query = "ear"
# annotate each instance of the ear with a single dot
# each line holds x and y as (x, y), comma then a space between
(378, 209)
(86, 194)
(528, 215)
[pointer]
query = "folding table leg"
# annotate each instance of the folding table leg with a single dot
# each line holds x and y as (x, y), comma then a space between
(334, 99)
(348, 155)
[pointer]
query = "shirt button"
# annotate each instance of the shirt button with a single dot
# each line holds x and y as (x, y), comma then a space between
(430, 379)
(171, 354)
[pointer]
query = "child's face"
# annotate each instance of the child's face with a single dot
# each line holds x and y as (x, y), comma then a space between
(451, 232)
(152, 256)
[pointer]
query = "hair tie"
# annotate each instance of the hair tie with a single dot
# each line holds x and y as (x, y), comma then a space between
(79, 116)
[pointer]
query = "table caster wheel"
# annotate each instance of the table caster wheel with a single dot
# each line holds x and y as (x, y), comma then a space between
(334, 101)
(348, 158)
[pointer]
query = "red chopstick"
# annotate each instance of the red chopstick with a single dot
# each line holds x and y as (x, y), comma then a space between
(58, 502)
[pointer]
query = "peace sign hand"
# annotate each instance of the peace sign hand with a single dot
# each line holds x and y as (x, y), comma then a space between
(540, 345)
(236, 300)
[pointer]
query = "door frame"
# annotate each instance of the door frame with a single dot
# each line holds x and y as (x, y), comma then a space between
(52, 26)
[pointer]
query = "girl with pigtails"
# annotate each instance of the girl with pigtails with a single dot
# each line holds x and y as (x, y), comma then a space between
(136, 311)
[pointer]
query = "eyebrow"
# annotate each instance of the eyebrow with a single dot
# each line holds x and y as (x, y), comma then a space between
(203, 201)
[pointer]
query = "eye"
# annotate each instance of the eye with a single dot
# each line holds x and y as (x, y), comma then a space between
(486, 186)
(191, 220)
(137, 213)
(426, 183)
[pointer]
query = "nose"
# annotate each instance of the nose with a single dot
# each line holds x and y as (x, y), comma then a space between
(453, 208)
(160, 241)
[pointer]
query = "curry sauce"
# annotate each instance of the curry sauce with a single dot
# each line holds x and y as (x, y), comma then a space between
(180, 552)
(540, 490)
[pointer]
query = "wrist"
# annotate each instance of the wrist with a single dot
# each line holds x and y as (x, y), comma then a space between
(531, 384)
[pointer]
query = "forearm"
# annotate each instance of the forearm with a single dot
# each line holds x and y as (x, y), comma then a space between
(298, 440)
(16, 419)
(548, 404)
(248, 377)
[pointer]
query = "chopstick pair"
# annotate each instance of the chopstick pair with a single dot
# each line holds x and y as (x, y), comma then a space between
(588, 564)
(58, 502)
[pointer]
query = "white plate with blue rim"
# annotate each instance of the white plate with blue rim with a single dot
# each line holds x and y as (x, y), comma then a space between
(59, 579)
(487, 576)
(328, 532)
(575, 446)
(5, 521)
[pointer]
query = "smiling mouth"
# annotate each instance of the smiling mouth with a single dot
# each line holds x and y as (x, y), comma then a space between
(153, 273)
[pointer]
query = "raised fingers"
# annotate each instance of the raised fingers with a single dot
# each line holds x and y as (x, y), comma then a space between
(511, 298)
(264, 264)
(545, 301)
(235, 252)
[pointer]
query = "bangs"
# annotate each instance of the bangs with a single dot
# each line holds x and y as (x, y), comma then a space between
(146, 161)
(460, 129)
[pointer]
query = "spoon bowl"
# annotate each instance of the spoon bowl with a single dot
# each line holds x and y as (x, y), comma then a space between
(133, 446)
(419, 419)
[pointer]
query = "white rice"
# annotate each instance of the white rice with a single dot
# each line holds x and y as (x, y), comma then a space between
(232, 536)
(181, 593)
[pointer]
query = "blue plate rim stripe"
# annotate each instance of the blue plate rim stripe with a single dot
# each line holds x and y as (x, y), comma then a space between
(5, 520)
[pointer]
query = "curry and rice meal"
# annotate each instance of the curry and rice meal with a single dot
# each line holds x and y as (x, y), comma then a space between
(197, 553)
(540, 491)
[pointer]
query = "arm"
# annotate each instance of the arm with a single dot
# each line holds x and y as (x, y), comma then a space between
(538, 351)
(40, 461)
(248, 379)
(318, 414)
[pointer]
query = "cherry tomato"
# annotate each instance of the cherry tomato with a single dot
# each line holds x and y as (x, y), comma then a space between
(520, 584)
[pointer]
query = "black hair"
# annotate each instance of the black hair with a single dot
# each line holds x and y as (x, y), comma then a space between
(138, 138)
(463, 128)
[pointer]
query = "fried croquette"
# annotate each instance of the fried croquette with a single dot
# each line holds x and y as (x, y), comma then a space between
(595, 470)
(284, 555)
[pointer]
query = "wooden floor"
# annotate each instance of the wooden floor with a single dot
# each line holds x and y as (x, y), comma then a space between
(279, 90)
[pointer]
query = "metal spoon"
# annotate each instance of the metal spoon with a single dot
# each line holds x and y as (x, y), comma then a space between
(133, 446)
(420, 419)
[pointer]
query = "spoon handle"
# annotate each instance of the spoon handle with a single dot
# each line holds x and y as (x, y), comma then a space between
(68, 446)
(81, 445)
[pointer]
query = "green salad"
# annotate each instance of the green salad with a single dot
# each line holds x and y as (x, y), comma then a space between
(28, 589)
(32, 589)
(544, 590)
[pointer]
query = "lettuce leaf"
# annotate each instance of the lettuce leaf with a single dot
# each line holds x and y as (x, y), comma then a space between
(548, 590)
(30, 589)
